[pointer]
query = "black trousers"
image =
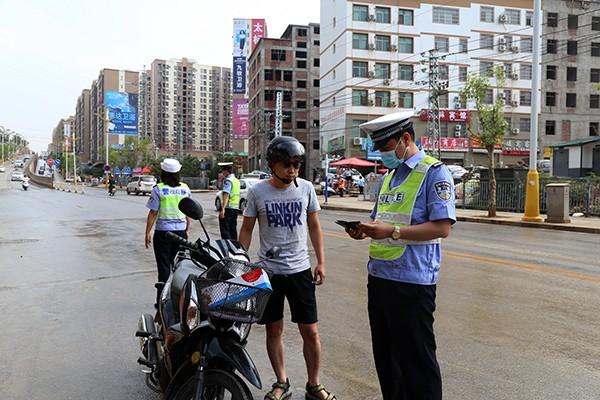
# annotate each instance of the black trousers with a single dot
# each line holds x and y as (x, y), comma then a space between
(228, 225)
(401, 318)
(164, 252)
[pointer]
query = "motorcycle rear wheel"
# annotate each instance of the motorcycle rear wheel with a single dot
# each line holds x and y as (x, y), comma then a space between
(218, 385)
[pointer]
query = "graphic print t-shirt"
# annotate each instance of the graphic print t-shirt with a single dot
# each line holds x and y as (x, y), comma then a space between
(282, 220)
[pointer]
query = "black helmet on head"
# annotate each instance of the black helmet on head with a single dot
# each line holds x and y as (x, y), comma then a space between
(284, 148)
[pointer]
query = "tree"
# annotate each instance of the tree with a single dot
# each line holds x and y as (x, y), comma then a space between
(487, 125)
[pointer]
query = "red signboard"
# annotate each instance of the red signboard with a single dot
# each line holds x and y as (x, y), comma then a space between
(514, 147)
(258, 31)
(447, 115)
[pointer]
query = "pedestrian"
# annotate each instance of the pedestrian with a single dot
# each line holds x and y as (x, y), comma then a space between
(230, 206)
(286, 208)
(341, 187)
(361, 185)
(164, 212)
(414, 210)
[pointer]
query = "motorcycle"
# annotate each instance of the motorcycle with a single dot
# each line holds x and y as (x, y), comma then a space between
(112, 189)
(194, 348)
(25, 185)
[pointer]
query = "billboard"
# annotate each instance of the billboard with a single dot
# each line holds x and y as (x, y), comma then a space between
(240, 118)
(66, 129)
(122, 112)
(239, 75)
(258, 31)
(246, 34)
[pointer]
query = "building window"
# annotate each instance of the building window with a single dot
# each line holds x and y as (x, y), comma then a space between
(301, 32)
(382, 99)
(509, 41)
(550, 99)
(525, 72)
(551, 46)
(287, 76)
(463, 45)
(359, 97)
(405, 99)
(405, 45)
(316, 83)
(405, 17)
(360, 41)
(486, 41)
(442, 44)
(382, 71)
(334, 74)
(360, 69)
(462, 74)
(317, 42)
(529, 18)
(571, 100)
(316, 30)
(572, 47)
(594, 128)
(300, 54)
(572, 21)
(571, 74)
(552, 19)
(277, 55)
(302, 45)
(301, 84)
(334, 22)
(445, 15)
(526, 45)
(524, 124)
(507, 70)
(489, 97)
(507, 95)
(405, 72)
(444, 129)
(486, 14)
(596, 49)
(269, 95)
(317, 62)
(382, 43)
(300, 124)
(595, 75)
(486, 67)
(316, 103)
(382, 15)
(595, 101)
(551, 72)
(443, 69)
(316, 145)
(525, 98)
(268, 74)
(550, 127)
(300, 63)
(443, 100)
(513, 17)
(360, 13)
(287, 95)
(596, 23)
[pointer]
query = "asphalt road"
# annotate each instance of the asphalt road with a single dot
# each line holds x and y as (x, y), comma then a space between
(518, 309)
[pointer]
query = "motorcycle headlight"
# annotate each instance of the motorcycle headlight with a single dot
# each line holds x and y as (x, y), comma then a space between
(189, 307)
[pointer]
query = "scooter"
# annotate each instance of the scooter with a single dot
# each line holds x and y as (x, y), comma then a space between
(112, 189)
(25, 185)
(194, 348)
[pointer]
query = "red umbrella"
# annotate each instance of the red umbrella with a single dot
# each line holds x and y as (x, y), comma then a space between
(146, 170)
(353, 163)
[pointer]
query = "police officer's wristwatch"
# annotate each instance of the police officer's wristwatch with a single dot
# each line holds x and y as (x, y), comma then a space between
(396, 233)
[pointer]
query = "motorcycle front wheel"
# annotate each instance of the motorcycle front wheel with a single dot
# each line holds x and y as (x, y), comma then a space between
(218, 385)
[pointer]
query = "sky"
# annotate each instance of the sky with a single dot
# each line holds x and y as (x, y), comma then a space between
(51, 50)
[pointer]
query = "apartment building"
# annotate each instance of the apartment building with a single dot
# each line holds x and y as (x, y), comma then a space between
(59, 144)
(145, 106)
(289, 66)
(371, 57)
(82, 125)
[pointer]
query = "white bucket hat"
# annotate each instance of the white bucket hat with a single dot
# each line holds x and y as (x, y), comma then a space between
(170, 165)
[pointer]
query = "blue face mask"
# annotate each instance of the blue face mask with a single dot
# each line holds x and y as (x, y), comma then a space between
(390, 159)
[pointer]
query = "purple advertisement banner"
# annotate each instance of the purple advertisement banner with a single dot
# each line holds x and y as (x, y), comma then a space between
(240, 118)
(239, 75)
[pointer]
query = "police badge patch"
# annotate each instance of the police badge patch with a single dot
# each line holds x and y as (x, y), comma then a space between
(443, 190)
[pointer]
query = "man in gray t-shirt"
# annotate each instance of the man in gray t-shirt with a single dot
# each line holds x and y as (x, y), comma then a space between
(286, 208)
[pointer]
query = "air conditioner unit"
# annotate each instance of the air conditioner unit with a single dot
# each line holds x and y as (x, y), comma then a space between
(394, 48)
(515, 131)
(514, 103)
(502, 48)
(371, 46)
(370, 102)
(514, 49)
(502, 18)
(501, 96)
(371, 74)
(392, 104)
(357, 141)
(371, 17)
(501, 41)
(514, 76)
(386, 82)
(458, 128)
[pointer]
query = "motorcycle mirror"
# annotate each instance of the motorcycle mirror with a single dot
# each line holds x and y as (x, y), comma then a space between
(191, 208)
(189, 310)
(273, 252)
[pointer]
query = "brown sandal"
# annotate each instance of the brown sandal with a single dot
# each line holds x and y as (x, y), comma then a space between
(287, 391)
(311, 392)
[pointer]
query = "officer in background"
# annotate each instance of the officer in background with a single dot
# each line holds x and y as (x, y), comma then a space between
(414, 210)
(230, 206)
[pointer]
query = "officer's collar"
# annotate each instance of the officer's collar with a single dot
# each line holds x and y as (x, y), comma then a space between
(414, 160)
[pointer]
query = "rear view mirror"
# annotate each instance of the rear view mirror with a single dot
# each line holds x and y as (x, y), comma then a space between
(191, 208)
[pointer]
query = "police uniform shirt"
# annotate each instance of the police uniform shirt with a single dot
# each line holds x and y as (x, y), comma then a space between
(154, 205)
(420, 264)
(228, 186)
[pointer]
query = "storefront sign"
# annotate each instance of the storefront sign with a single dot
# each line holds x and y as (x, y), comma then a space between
(447, 115)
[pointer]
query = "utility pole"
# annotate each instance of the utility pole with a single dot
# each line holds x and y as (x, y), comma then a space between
(436, 89)
(532, 191)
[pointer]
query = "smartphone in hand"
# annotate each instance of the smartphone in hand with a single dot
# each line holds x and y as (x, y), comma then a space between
(352, 225)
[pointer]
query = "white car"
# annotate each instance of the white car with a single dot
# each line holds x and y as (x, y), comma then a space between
(17, 176)
(457, 171)
(2, 169)
(141, 184)
(245, 183)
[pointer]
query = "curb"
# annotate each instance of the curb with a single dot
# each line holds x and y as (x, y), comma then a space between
(484, 220)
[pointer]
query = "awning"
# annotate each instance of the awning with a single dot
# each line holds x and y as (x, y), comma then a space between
(353, 162)
(578, 142)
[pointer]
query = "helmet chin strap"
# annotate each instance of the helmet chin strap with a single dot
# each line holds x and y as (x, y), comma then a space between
(285, 180)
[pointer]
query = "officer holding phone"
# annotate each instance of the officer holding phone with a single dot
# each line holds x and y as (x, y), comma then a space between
(413, 212)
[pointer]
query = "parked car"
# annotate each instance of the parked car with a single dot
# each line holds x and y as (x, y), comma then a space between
(245, 183)
(457, 171)
(544, 166)
(16, 176)
(141, 184)
(2, 169)
(18, 163)
(466, 193)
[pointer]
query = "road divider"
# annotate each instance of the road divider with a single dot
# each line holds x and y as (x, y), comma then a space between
(69, 187)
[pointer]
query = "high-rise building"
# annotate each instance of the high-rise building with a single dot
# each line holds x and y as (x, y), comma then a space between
(82, 126)
(190, 107)
(288, 67)
(145, 106)
(59, 143)
(371, 65)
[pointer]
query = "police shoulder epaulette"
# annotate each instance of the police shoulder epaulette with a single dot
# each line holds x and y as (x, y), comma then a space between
(437, 164)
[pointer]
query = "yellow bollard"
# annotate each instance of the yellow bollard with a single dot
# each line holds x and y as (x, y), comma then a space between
(532, 198)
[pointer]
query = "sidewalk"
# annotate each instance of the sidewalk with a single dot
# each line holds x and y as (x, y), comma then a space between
(578, 224)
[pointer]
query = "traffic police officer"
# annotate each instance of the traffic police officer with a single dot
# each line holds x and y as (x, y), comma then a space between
(163, 206)
(414, 210)
(230, 206)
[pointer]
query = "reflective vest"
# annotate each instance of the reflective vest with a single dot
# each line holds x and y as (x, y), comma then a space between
(234, 194)
(169, 201)
(395, 207)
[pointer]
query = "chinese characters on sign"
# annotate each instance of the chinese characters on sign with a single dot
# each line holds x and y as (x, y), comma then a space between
(122, 112)
(240, 118)
(258, 31)
(447, 115)
(510, 146)
(239, 75)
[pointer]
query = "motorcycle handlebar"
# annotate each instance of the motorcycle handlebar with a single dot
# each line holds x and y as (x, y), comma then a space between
(181, 241)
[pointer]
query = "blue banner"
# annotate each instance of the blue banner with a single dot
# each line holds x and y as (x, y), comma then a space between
(239, 75)
(127, 170)
(371, 155)
(122, 112)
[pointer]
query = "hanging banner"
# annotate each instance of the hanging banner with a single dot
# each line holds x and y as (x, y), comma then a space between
(66, 129)
(241, 37)
(239, 75)
(122, 112)
(258, 31)
(240, 118)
